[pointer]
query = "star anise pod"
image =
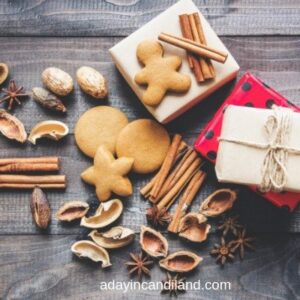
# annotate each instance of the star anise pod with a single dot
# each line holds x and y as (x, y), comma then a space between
(139, 264)
(173, 285)
(223, 251)
(13, 94)
(242, 242)
(158, 216)
(230, 224)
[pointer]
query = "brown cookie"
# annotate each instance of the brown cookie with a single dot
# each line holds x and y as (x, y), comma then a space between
(108, 174)
(146, 141)
(160, 73)
(100, 125)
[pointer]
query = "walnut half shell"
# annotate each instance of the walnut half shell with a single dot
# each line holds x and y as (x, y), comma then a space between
(180, 261)
(194, 228)
(11, 127)
(114, 238)
(4, 71)
(54, 130)
(92, 251)
(218, 202)
(72, 210)
(106, 213)
(153, 243)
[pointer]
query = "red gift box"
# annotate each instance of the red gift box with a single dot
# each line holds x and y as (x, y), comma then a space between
(249, 91)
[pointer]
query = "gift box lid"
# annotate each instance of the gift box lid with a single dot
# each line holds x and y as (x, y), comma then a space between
(249, 91)
(173, 104)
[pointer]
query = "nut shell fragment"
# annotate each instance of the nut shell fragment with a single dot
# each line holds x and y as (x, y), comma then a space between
(72, 210)
(114, 238)
(11, 127)
(180, 261)
(4, 71)
(57, 81)
(153, 242)
(92, 251)
(106, 213)
(218, 202)
(194, 228)
(92, 82)
(40, 208)
(54, 130)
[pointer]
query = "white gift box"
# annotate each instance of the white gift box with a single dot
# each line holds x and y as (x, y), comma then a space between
(124, 56)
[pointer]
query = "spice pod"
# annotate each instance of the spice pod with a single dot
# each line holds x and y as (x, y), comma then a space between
(11, 127)
(54, 130)
(114, 238)
(180, 261)
(106, 213)
(194, 228)
(218, 202)
(153, 242)
(72, 210)
(47, 99)
(92, 251)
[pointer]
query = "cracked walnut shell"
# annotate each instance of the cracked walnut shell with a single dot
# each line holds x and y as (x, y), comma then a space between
(218, 202)
(153, 242)
(180, 261)
(4, 71)
(114, 238)
(106, 213)
(92, 251)
(11, 127)
(194, 228)
(54, 130)
(72, 210)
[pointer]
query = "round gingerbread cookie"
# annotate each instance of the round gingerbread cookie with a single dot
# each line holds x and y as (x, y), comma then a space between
(100, 125)
(147, 142)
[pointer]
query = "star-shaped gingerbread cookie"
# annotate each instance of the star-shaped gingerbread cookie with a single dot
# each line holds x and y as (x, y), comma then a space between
(160, 73)
(108, 174)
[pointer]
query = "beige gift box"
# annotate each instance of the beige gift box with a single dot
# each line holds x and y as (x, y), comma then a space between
(124, 56)
(242, 164)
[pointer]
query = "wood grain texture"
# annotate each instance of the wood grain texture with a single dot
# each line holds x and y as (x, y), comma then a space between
(42, 267)
(276, 60)
(121, 17)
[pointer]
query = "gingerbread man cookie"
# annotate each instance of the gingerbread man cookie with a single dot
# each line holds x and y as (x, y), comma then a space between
(108, 174)
(160, 73)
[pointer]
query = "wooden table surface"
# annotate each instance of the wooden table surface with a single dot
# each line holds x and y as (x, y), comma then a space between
(264, 37)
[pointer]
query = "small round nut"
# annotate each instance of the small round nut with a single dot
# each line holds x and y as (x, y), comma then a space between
(4, 71)
(92, 82)
(57, 81)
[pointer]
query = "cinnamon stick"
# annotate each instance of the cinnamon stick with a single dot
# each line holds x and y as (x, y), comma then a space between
(33, 185)
(28, 167)
(20, 179)
(180, 169)
(206, 65)
(194, 47)
(186, 199)
(166, 166)
(169, 197)
(34, 160)
(187, 33)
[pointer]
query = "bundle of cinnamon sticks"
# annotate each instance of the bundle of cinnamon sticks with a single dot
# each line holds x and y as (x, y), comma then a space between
(28, 165)
(192, 29)
(180, 172)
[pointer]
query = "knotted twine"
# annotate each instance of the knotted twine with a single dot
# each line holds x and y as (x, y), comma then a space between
(278, 128)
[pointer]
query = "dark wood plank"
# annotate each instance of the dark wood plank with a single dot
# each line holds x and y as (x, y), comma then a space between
(42, 267)
(275, 59)
(121, 17)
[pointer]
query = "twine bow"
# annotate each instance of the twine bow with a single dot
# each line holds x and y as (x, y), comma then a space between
(278, 129)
